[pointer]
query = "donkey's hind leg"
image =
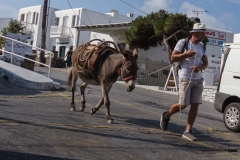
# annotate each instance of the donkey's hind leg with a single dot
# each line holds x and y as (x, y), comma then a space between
(83, 101)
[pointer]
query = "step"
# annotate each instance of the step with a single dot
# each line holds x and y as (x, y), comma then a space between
(26, 78)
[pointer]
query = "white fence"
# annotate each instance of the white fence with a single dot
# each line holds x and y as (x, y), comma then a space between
(146, 67)
(45, 51)
(59, 30)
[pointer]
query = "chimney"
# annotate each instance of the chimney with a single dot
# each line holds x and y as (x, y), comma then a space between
(130, 15)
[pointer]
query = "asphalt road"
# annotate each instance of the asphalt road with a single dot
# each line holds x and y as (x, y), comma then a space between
(39, 125)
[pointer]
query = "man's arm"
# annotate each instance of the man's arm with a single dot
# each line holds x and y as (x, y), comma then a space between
(202, 66)
(178, 56)
(205, 63)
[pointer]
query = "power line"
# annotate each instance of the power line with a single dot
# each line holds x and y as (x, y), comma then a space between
(100, 10)
(78, 16)
(90, 20)
(75, 13)
(133, 7)
(87, 16)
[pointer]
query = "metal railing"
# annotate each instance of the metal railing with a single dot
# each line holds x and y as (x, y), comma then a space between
(59, 30)
(27, 26)
(46, 51)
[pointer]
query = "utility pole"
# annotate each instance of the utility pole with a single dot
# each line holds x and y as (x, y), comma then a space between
(43, 35)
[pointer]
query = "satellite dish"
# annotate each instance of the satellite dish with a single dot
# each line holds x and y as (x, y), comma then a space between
(114, 11)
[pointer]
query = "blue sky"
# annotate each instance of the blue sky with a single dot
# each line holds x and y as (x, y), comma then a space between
(221, 14)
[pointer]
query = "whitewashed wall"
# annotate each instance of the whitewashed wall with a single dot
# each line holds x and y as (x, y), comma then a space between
(4, 22)
(36, 28)
(236, 38)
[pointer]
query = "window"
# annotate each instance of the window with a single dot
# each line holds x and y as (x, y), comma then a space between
(73, 20)
(22, 17)
(28, 20)
(31, 43)
(36, 21)
(33, 18)
(56, 23)
(65, 21)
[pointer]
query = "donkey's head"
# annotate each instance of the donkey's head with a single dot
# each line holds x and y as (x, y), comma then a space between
(129, 67)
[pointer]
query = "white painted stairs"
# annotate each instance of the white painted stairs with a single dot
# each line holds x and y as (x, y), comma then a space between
(26, 78)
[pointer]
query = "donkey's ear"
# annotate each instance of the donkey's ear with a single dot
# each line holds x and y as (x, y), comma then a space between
(135, 52)
(122, 50)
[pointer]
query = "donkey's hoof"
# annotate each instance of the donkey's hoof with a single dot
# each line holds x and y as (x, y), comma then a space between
(110, 121)
(92, 111)
(72, 109)
(81, 109)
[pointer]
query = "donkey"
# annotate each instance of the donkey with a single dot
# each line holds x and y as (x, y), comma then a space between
(110, 64)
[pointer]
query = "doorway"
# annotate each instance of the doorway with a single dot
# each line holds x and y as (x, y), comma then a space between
(62, 50)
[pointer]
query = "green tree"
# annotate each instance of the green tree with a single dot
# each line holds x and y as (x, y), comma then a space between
(14, 26)
(153, 30)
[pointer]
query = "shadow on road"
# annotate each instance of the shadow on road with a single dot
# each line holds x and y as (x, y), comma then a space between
(8, 155)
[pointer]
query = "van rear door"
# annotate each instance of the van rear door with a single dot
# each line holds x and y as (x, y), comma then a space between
(230, 80)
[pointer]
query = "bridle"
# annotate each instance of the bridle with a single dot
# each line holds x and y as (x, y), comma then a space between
(133, 77)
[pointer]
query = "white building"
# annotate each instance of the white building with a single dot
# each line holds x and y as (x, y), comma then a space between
(31, 18)
(4, 22)
(60, 31)
(236, 38)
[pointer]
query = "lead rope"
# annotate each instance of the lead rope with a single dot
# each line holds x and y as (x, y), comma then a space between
(188, 84)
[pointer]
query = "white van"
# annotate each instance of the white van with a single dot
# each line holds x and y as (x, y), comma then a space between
(227, 98)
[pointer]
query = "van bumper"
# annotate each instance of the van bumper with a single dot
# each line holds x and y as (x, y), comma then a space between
(219, 100)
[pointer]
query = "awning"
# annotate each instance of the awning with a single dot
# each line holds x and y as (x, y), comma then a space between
(110, 29)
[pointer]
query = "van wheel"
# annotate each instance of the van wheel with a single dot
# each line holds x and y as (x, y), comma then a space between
(231, 117)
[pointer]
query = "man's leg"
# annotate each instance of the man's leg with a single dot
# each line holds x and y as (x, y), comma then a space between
(192, 116)
(184, 100)
(165, 117)
(196, 99)
(174, 109)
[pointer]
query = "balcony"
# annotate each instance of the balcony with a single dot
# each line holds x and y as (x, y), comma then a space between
(27, 29)
(60, 32)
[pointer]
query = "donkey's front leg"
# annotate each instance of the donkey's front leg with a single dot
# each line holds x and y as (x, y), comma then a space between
(100, 103)
(96, 108)
(82, 90)
(73, 88)
(105, 90)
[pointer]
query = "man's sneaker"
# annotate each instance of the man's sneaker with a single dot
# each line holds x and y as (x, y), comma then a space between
(188, 136)
(164, 121)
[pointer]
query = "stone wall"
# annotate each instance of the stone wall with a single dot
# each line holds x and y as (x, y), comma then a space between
(208, 93)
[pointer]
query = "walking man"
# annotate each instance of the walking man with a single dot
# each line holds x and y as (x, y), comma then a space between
(192, 61)
(69, 57)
